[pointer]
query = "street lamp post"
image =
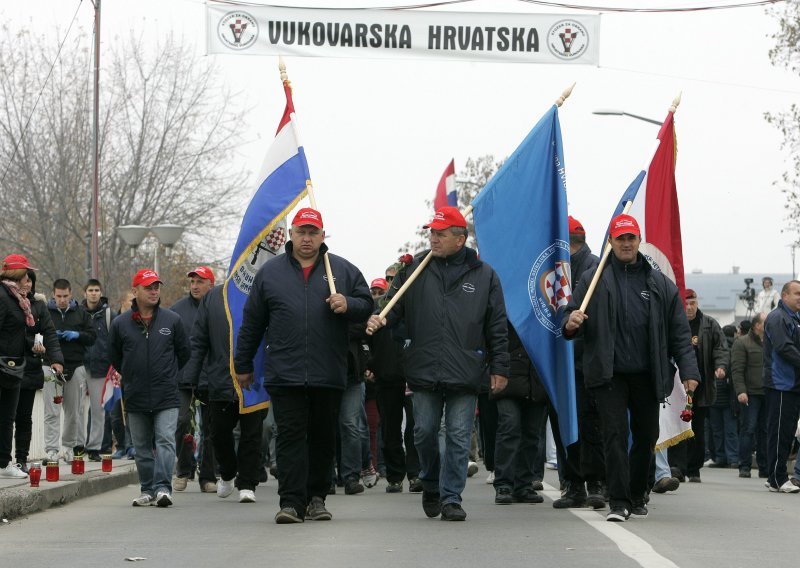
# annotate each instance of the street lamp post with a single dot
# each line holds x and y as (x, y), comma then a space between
(167, 235)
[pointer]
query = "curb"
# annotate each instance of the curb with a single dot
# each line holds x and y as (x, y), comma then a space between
(23, 500)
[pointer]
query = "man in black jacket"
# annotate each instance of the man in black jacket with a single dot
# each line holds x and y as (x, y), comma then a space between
(305, 368)
(455, 317)
(148, 345)
(201, 280)
(75, 334)
(633, 326)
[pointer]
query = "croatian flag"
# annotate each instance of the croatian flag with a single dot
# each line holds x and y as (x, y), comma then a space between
(446, 190)
(529, 190)
(655, 207)
(112, 390)
(284, 178)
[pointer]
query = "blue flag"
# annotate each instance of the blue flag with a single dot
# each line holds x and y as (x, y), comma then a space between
(284, 177)
(522, 230)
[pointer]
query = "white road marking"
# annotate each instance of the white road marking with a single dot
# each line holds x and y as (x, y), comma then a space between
(632, 546)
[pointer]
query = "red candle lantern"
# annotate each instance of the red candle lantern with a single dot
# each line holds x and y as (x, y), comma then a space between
(51, 471)
(78, 465)
(35, 473)
(106, 465)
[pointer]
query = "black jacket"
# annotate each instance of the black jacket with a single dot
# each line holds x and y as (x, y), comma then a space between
(12, 335)
(306, 343)
(523, 380)
(187, 308)
(455, 331)
(669, 335)
(580, 262)
(96, 359)
(211, 349)
(149, 358)
(782, 350)
(714, 353)
(34, 377)
(747, 364)
(74, 318)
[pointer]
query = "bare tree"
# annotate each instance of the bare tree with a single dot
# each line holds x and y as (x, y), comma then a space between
(168, 138)
(469, 182)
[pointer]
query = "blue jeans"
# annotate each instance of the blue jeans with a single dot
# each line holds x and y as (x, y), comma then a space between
(726, 439)
(153, 437)
(662, 465)
(445, 474)
(753, 433)
(351, 412)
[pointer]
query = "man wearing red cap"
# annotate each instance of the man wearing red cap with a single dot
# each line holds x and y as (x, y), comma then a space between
(148, 345)
(305, 368)
(201, 280)
(456, 322)
(633, 326)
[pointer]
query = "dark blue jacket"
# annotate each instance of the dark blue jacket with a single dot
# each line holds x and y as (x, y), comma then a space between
(306, 343)
(74, 318)
(149, 358)
(580, 262)
(187, 308)
(782, 350)
(211, 349)
(96, 358)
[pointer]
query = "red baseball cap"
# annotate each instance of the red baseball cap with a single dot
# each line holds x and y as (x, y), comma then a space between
(308, 216)
(145, 277)
(624, 225)
(575, 227)
(446, 217)
(689, 294)
(202, 272)
(16, 262)
(379, 283)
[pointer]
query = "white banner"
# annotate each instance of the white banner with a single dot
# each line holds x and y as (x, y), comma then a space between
(468, 36)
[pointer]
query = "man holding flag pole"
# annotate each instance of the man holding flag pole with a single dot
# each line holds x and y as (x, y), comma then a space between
(629, 312)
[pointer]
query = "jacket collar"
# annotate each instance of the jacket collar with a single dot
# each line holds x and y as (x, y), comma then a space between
(72, 306)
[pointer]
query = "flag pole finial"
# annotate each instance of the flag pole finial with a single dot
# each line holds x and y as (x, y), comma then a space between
(675, 102)
(284, 75)
(567, 92)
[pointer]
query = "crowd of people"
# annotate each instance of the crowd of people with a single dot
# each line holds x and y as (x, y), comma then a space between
(366, 381)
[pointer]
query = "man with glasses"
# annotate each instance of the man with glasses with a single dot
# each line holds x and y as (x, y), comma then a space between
(148, 345)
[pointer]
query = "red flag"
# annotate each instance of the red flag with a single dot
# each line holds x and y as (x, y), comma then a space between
(446, 190)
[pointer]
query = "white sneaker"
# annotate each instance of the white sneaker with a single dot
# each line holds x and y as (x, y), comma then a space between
(163, 499)
(490, 479)
(472, 468)
(789, 487)
(551, 465)
(224, 488)
(12, 471)
(52, 456)
(67, 455)
(143, 500)
(247, 496)
(370, 477)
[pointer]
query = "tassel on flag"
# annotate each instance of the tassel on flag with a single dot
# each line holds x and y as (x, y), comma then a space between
(446, 190)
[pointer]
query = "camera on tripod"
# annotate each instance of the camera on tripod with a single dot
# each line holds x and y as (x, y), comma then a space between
(748, 294)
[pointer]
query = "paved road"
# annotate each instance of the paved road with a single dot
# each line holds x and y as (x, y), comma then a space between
(723, 522)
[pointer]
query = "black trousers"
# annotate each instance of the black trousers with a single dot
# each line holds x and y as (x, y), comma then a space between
(696, 445)
(583, 460)
(9, 395)
(244, 462)
(627, 473)
(392, 403)
(186, 462)
(306, 444)
(23, 425)
(783, 410)
(520, 423)
(487, 426)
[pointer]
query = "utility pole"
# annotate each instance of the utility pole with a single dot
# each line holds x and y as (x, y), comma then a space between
(95, 224)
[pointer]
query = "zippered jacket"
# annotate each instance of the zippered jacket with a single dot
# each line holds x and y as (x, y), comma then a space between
(74, 318)
(782, 350)
(149, 357)
(96, 358)
(306, 343)
(187, 307)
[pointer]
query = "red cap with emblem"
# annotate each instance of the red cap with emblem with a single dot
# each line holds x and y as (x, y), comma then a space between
(624, 225)
(145, 277)
(575, 227)
(202, 272)
(379, 283)
(446, 217)
(16, 262)
(308, 216)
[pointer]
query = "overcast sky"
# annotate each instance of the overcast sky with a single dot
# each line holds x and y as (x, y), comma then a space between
(379, 133)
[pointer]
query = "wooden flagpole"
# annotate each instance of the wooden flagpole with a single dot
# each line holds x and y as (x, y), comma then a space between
(309, 187)
(425, 261)
(607, 251)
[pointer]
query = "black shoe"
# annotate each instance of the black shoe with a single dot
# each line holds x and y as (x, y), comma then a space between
(352, 487)
(332, 489)
(573, 497)
(744, 473)
(537, 485)
(718, 465)
(316, 510)
(527, 495)
(453, 512)
(502, 496)
(394, 487)
(431, 504)
(414, 485)
(94, 457)
(677, 474)
(594, 498)
(79, 450)
(666, 484)
(263, 476)
(639, 509)
(273, 471)
(287, 515)
(618, 515)
(695, 479)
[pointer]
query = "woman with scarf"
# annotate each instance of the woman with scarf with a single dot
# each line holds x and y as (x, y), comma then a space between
(15, 318)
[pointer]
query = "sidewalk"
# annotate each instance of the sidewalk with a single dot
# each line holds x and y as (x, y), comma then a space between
(18, 498)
